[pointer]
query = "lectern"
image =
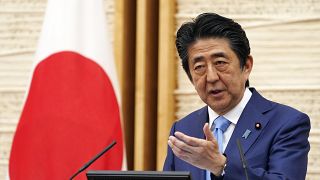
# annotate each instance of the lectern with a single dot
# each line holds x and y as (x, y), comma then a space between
(138, 175)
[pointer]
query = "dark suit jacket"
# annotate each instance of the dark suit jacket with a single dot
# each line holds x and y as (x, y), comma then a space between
(279, 150)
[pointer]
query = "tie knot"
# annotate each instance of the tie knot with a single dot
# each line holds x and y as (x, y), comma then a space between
(222, 123)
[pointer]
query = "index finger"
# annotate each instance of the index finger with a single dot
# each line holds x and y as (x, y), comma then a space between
(191, 141)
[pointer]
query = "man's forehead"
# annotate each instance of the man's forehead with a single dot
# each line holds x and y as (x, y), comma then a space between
(209, 47)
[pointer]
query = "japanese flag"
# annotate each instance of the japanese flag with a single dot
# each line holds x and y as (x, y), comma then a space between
(71, 112)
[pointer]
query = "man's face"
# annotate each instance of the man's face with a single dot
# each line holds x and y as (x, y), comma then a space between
(216, 73)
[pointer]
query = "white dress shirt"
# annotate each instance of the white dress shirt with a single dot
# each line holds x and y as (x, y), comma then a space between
(233, 116)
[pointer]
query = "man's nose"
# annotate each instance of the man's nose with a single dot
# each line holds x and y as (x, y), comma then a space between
(212, 74)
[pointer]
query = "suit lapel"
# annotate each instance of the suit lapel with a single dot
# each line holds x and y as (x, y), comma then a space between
(203, 117)
(251, 115)
(196, 130)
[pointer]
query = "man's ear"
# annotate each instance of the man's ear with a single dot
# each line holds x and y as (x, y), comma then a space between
(248, 65)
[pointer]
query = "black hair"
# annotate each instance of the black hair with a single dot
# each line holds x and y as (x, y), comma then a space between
(211, 25)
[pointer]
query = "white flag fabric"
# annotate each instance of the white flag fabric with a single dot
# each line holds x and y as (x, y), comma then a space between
(71, 112)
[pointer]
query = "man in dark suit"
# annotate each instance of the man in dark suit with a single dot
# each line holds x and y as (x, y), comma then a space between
(215, 54)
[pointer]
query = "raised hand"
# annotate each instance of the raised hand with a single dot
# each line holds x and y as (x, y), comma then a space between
(202, 153)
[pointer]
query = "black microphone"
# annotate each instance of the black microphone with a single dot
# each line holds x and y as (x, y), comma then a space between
(94, 159)
(243, 160)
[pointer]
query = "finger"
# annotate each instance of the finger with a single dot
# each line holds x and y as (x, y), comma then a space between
(207, 132)
(181, 145)
(191, 141)
(178, 152)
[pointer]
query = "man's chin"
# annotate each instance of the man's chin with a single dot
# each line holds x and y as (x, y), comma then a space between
(219, 108)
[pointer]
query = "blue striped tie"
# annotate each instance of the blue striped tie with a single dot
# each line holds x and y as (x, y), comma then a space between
(220, 126)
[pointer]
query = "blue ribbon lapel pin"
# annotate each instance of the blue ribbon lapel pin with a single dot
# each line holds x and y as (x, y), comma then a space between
(246, 134)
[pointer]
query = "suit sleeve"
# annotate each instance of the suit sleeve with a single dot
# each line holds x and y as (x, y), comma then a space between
(169, 162)
(288, 157)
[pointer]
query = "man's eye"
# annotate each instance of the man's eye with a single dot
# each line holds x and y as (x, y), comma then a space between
(199, 67)
(220, 62)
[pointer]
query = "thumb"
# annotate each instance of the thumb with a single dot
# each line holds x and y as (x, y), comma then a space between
(207, 132)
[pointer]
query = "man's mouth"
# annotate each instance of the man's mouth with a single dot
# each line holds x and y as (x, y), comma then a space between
(215, 92)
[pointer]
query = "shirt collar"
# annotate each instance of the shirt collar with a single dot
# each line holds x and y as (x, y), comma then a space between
(234, 114)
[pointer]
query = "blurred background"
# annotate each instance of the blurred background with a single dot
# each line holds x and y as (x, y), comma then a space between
(155, 91)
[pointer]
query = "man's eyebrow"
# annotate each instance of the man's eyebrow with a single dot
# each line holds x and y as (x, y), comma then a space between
(219, 54)
(196, 59)
(214, 55)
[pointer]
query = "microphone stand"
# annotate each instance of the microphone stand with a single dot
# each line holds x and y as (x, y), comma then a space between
(94, 159)
(243, 160)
